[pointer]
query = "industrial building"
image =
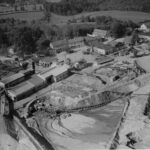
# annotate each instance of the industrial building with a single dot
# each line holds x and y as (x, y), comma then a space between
(12, 80)
(38, 82)
(55, 74)
(16, 78)
(102, 48)
(59, 46)
(21, 91)
(98, 33)
(26, 88)
(76, 42)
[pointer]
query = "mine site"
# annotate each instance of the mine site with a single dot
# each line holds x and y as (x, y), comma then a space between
(74, 75)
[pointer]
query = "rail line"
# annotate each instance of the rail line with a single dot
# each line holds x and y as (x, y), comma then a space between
(85, 108)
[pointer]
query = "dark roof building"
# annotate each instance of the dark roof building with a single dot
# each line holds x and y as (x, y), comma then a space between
(26, 88)
(12, 80)
(21, 91)
(102, 59)
(37, 81)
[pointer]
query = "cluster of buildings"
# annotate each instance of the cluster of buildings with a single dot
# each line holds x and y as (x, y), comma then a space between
(118, 71)
(22, 85)
(102, 68)
(66, 45)
(99, 41)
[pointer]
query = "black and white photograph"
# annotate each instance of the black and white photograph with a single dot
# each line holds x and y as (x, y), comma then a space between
(74, 74)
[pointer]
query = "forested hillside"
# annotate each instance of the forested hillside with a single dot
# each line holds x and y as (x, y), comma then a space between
(69, 7)
(7, 1)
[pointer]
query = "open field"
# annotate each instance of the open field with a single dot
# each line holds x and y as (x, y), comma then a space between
(28, 16)
(57, 19)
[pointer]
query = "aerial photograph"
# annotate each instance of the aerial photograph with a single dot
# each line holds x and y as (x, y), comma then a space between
(74, 74)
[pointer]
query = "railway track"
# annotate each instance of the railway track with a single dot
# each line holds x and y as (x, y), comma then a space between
(81, 109)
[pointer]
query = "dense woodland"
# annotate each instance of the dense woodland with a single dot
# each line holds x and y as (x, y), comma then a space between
(71, 7)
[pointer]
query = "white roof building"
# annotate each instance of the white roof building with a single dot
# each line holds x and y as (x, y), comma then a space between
(56, 71)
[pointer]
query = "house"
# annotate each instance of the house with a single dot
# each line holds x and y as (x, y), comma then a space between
(55, 74)
(59, 46)
(76, 42)
(12, 80)
(100, 33)
(47, 61)
(144, 28)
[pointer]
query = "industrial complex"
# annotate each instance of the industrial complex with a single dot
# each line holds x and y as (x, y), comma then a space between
(89, 78)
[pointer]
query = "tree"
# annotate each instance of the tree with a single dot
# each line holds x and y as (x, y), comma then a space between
(3, 38)
(25, 39)
(135, 37)
(43, 44)
(117, 29)
(47, 15)
(47, 12)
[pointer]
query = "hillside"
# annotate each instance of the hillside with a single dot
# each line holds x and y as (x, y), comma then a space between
(68, 7)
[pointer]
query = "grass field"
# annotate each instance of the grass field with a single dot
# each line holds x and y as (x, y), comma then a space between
(57, 19)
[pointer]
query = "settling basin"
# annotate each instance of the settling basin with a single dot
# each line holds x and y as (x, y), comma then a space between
(90, 130)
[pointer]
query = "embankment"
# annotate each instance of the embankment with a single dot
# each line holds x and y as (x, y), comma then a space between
(115, 138)
(133, 113)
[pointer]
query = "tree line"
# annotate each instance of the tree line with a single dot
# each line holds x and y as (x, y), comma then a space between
(34, 37)
(72, 7)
